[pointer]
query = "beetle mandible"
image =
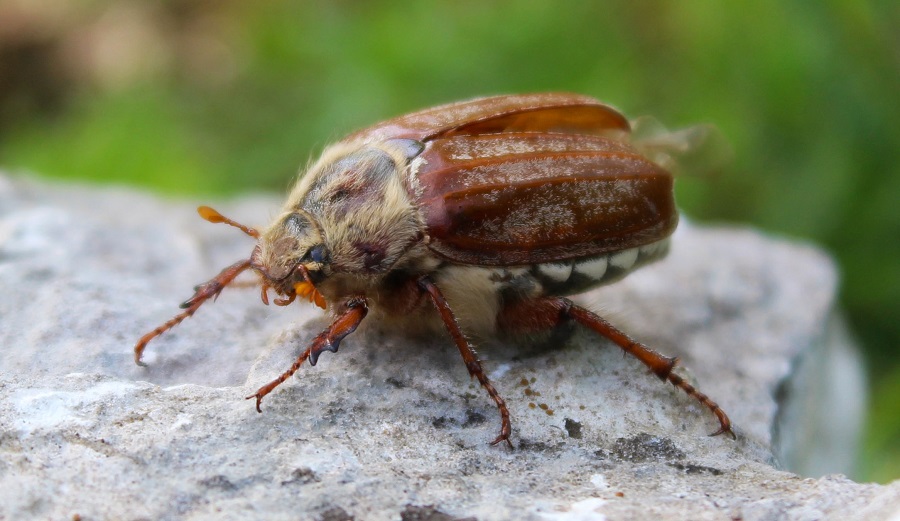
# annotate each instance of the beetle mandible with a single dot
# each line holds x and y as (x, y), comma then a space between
(493, 209)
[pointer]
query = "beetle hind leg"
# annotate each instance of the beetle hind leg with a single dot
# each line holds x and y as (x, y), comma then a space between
(661, 366)
(533, 315)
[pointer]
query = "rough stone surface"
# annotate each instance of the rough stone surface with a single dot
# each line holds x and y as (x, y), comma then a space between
(389, 427)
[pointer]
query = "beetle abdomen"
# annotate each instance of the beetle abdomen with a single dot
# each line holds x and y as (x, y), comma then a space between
(476, 289)
(579, 275)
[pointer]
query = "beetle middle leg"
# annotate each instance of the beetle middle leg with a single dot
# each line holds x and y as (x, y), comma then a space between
(536, 315)
(469, 356)
(354, 312)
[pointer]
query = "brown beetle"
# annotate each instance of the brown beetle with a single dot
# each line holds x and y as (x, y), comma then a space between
(490, 210)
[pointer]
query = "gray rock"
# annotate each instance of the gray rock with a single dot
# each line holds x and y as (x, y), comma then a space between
(391, 427)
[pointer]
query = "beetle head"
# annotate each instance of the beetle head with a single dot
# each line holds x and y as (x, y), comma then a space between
(291, 257)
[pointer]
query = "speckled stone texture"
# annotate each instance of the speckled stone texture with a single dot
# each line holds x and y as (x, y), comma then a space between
(392, 427)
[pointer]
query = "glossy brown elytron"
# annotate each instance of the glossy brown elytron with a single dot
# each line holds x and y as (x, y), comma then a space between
(475, 217)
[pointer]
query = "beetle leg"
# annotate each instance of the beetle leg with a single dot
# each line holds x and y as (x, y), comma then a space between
(469, 356)
(660, 365)
(202, 293)
(328, 340)
(533, 315)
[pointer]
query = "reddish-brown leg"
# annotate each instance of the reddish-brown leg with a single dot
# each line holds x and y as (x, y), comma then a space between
(534, 315)
(202, 293)
(354, 312)
(469, 356)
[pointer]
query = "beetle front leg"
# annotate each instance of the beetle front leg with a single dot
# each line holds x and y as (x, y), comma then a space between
(355, 311)
(469, 356)
(541, 314)
(202, 293)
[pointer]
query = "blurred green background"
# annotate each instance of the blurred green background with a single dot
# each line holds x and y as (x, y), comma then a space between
(199, 98)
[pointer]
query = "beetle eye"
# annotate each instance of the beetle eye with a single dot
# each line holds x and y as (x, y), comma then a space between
(318, 253)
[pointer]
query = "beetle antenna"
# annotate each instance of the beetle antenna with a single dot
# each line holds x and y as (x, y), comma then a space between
(215, 217)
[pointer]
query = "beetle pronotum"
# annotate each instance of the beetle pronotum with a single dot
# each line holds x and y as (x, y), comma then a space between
(490, 210)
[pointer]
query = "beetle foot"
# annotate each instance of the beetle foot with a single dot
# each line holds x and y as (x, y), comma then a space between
(259, 396)
(503, 436)
(725, 429)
